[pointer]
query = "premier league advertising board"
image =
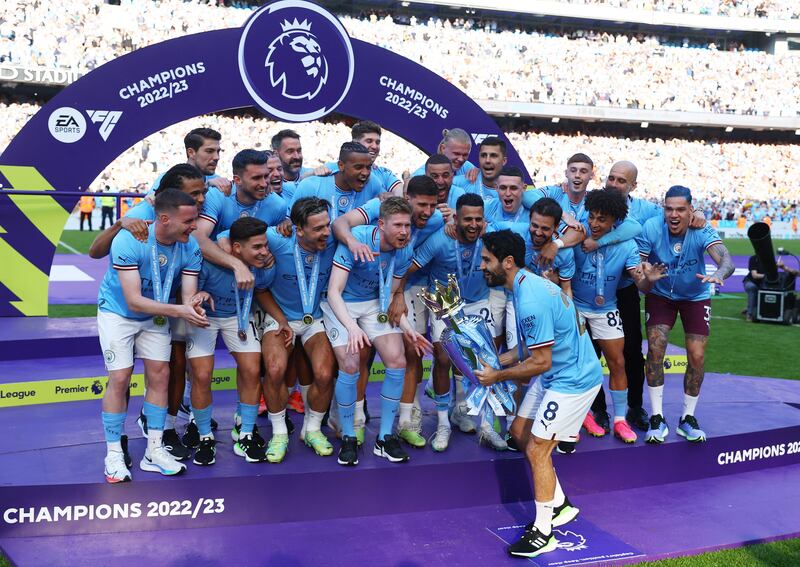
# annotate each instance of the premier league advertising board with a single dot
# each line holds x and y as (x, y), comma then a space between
(292, 59)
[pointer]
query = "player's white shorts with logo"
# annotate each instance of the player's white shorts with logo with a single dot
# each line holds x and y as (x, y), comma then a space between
(497, 303)
(303, 330)
(365, 313)
(480, 308)
(556, 415)
(604, 325)
(202, 341)
(122, 339)
(417, 312)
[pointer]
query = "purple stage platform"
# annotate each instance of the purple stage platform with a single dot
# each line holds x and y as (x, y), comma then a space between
(638, 502)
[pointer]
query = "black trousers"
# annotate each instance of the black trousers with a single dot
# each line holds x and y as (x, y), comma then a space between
(628, 303)
(88, 217)
(107, 213)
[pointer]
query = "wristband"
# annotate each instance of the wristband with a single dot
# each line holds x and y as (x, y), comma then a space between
(559, 243)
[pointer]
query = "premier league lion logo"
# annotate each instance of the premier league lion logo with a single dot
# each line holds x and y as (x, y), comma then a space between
(295, 61)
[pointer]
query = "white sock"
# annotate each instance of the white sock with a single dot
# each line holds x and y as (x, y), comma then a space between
(558, 496)
(278, 421)
(114, 446)
(405, 414)
(304, 394)
(154, 440)
(544, 517)
(689, 404)
(170, 423)
(360, 417)
(656, 394)
(443, 417)
(313, 420)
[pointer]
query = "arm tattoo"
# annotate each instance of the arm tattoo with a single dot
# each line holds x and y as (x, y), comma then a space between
(723, 259)
(657, 337)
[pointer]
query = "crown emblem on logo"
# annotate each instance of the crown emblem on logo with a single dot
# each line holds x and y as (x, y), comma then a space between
(286, 25)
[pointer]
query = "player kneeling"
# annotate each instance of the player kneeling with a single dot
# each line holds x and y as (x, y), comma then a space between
(230, 314)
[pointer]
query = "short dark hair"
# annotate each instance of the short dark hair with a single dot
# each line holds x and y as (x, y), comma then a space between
(548, 207)
(438, 159)
(680, 191)
(196, 137)
(494, 141)
(248, 157)
(505, 243)
(607, 202)
(169, 199)
(246, 227)
(422, 185)
(512, 171)
(276, 140)
(307, 207)
(175, 175)
(349, 148)
(469, 200)
(395, 206)
(365, 127)
(580, 158)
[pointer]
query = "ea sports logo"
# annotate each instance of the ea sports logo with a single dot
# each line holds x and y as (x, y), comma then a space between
(295, 60)
(66, 125)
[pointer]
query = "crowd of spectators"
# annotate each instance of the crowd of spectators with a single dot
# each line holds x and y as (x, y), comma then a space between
(777, 9)
(486, 60)
(754, 172)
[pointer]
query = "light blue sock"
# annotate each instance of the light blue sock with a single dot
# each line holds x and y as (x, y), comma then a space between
(113, 425)
(202, 418)
(620, 400)
(391, 391)
(442, 401)
(156, 416)
(249, 413)
(346, 400)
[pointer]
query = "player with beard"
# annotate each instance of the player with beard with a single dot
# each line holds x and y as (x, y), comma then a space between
(286, 144)
(303, 263)
(203, 151)
(597, 302)
(356, 316)
(230, 315)
(558, 351)
(458, 254)
(684, 291)
(134, 302)
(439, 168)
(425, 220)
(456, 145)
(491, 159)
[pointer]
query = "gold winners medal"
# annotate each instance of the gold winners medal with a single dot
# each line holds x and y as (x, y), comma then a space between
(160, 320)
(308, 319)
(599, 300)
(383, 318)
(242, 336)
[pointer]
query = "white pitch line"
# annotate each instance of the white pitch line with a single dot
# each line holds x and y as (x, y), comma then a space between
(68, 247)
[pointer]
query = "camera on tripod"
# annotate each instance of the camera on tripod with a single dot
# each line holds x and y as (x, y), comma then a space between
(776, 298)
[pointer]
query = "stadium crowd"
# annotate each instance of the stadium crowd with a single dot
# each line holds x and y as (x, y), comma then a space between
(711, 169)
(778, 9)
(527, 65)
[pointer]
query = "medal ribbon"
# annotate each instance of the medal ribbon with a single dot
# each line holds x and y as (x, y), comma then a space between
(600, 278)
(384, 284)
(161, 294)
(243, 307)
(307, 291)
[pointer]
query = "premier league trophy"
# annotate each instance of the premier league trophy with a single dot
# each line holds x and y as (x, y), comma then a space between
(467, 340)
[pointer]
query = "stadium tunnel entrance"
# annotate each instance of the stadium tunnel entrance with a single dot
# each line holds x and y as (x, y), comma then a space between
(292, 59)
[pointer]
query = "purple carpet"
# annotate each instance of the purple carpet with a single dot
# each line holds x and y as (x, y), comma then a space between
(638, 502)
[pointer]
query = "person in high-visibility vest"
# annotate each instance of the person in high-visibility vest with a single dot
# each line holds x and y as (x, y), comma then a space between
(107, 204)
(86, 206)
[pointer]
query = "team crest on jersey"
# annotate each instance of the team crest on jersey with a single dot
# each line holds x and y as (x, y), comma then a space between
(309, 259)
(244, 214)
(466, 254)
(296, 60)
(343, 201)
(162, 260)
(676, 248)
